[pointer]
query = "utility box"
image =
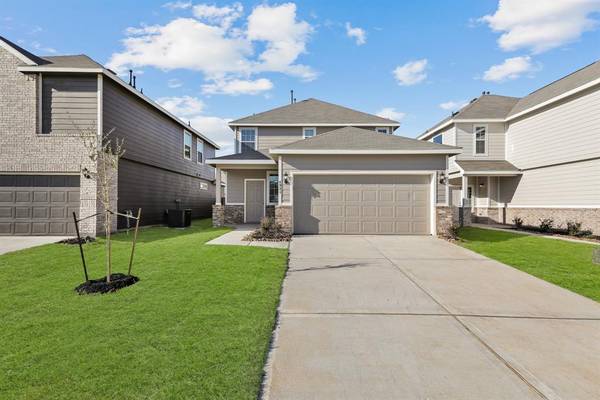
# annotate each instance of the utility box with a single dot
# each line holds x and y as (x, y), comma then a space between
(178, 218)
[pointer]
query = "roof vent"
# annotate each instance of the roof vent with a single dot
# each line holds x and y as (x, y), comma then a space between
(475, 99)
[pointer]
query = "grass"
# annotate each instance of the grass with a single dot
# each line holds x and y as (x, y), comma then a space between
(566, 264)
(197, 325)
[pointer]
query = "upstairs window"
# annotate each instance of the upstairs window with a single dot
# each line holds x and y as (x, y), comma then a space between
(480, 137)
(273, 188)
(308, 132)
(247, 138)
(200, 151)
(382, 129)
(187, 145)
(438, 139)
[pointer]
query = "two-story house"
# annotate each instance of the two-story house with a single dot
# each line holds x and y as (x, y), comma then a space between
(533, 157)
(321, 168)
(46, 103)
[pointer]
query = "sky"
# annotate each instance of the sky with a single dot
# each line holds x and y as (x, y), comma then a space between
(412, 61)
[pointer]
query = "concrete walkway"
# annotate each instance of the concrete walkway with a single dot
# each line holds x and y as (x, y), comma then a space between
(235, 238)
(390, 317)
(14, 243)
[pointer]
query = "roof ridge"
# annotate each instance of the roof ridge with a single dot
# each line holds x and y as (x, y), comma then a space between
(560, 79)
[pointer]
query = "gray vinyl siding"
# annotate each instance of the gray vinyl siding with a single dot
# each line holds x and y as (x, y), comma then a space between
(154, 189)
(363, 162)
(235, 183)
(69, 104)
(150, 137)
(566, 132)
(496, 141)
(574, 184)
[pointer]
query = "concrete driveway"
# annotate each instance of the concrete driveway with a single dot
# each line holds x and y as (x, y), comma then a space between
(14, 243)
(395, 317)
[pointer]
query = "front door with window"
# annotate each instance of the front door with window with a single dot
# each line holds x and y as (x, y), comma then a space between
(254, 201)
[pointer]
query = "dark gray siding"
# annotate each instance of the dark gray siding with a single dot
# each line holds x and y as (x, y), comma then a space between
(69, 103)
(153, 190)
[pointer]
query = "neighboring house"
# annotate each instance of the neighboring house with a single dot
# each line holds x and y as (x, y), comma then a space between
(532, 157)
(45, 105)
(322, 168)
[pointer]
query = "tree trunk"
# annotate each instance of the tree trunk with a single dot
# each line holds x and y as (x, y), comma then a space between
(107, 226)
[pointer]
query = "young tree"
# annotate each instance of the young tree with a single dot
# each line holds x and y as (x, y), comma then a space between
(104, 153)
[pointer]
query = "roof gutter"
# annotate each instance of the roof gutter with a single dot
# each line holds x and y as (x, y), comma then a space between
(253, 124)
(214, 161)
(116, 79)
(364, 152)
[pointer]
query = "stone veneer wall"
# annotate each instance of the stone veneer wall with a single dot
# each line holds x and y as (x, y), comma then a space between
(270, 211)
(233, 215)
(589, 217)
(446, 216)
(283, 215)
(218, 215)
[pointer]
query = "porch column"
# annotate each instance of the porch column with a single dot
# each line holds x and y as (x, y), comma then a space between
(279, 180)
(464, 189)
(218, 188)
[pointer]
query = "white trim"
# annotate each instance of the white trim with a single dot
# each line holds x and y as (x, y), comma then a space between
(387, 129)
(36, 68)
(561, 206)
(473, 195)
(267, 196)
(280, 172)
(555, 99)
(185, 132)
(199, 141)
(492, 173)
(232, 204)
(264, 195)
(475, 153)
(40, 97)
(241, 124)
(212, 161)
(314, 128)
(489, 192)
(218, 186)
(291, 151)
(100, 101)
(17, 53)
(240, 142)
(433, 201)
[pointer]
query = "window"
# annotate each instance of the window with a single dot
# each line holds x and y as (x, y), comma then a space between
(247, 138)
(200, 151)
(308, 132)
(480, 137)
(382, 129)
(273, 188)
(203, 186)
(438, 139)
(187, 145)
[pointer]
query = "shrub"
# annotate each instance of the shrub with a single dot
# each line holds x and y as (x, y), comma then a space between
(269, 229)
(546, 224)
(573, 228)
(452, 232)
(518, 222)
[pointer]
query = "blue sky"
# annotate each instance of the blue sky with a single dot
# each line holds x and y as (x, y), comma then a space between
(415, 61)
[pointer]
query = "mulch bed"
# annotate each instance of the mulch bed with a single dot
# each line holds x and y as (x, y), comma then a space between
(117, 281)
(87, 239)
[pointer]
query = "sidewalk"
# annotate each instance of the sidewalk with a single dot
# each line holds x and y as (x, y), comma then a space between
(235, 238)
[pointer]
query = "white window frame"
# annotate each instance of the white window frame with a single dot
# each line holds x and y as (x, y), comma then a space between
(185, 134)
(199, 154)
(255, 129)
(487, 138)
(305, 129)
(387, 129)
(438, 136)
(268, 188)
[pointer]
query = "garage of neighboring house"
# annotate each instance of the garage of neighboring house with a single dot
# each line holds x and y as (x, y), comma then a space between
(362, 204)
(38, 204)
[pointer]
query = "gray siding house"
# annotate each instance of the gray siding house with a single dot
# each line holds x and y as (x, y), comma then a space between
(45, 105)
(320, 168)
(532, 157)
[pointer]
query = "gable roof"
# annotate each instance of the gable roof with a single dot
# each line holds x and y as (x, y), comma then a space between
(313, 112)
(480, 166)
(83, 64)
(352, 140)
(579, 78)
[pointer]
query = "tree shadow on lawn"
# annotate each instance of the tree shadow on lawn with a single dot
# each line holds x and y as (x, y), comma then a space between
(481, 235)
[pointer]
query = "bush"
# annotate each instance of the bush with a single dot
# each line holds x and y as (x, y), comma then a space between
(573, 228)
(546, 224)
(269, 229)
(452, 231)
(518, 222)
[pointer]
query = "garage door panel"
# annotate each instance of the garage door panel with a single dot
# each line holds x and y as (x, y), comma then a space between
(369, 195)
(386, 195)
(352, 211)
(38, 205)
(352, 195)
(369, 211)
(420, 212)
(335, 211)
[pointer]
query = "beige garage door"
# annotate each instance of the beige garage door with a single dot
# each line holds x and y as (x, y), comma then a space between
(365, 204)
(38, 204)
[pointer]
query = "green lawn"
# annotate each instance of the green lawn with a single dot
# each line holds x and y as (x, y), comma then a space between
(563, 263)
(196, 326)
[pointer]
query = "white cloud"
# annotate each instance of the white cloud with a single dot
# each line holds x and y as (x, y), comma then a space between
(177, 5)
(511, 68)
(235, 87)
(37, 46)
(183, 107)
(174, 83)
(411, 73)
(453, 105)
(540, 25)
(391, 113)
(357, 33)
(211, 44)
